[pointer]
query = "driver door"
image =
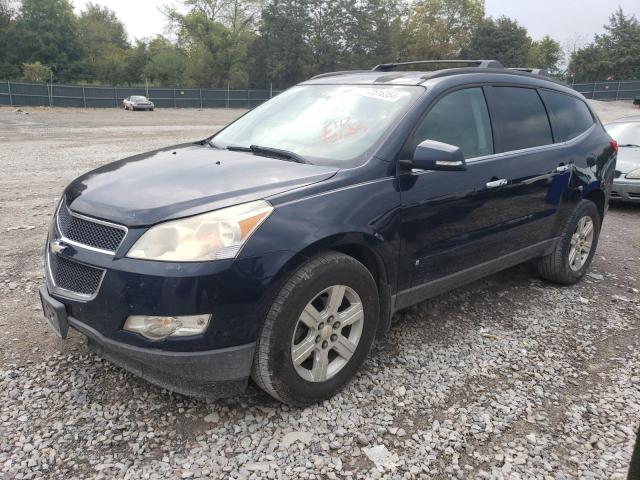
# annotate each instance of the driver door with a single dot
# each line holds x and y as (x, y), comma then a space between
(453, 222)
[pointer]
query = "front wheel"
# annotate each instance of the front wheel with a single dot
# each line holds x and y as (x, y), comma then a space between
(573, 254)
(318, 330)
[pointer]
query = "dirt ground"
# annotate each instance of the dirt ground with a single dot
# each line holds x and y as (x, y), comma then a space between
(42, 150)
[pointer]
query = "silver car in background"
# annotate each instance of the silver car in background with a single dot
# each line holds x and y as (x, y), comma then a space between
(626, 184)
(138, 102)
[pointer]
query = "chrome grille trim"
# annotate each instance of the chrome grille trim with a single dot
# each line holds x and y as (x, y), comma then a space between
(63, 292)
(65, 239)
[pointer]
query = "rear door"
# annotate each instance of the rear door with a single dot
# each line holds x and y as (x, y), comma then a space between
(538, 174)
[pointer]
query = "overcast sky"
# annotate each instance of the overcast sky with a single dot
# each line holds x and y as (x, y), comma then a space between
(567, 21)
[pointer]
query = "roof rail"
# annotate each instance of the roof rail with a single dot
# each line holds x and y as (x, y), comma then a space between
(387, 67)
(335, 74)
(534, 71)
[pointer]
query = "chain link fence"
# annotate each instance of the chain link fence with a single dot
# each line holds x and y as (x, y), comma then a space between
(614, 90)
(84, 96)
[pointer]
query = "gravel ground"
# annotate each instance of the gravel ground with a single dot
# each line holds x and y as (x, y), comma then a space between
(509, 377)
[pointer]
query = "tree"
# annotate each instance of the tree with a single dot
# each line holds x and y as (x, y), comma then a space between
(48, 33)
(104, 43)
(622, 44)
(36, 72)
(546, 53)
(8, 40)
(166, 65)
(440, 29)
(612, 55)
(217, 34)
(281, 52)
(503, 39)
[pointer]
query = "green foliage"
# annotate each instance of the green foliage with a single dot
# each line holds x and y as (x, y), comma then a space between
(503, 39)
(9, 60)
(615, 55)
(104, 44)
(166, 63)
(48, 33)
(282, 42)
(547, 54)
(36, 72)
(440, 29)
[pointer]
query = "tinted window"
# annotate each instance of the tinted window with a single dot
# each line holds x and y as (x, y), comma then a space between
(462, 119)
(571, 116)
(522, 118)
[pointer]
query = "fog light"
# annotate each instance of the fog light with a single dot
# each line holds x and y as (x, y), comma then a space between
(160, 328)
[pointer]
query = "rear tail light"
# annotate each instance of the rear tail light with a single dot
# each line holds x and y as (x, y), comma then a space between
(614, 145)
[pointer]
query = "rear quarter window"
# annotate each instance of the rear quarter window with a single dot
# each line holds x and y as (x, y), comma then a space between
(522, 120)
(570, 116)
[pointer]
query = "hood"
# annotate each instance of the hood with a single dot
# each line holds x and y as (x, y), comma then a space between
(182, 181)
(628, 159)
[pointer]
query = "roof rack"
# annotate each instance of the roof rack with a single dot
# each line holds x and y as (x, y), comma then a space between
(534, 71)
(387, 67)
(334, 74)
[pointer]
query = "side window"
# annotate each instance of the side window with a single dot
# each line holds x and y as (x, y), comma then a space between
(571, 117)
(461, 119)
(522, 120)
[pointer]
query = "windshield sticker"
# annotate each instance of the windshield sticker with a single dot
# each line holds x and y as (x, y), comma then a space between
(387, 94)
(341, 129)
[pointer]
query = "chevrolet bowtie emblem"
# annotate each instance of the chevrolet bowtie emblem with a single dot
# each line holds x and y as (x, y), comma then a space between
(57, 247)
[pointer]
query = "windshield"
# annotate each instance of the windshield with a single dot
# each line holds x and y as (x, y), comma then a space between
(625, 133)
(138, 99)
(333, 125)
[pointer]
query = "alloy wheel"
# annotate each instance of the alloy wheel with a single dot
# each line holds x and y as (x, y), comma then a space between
(581, 242)
(327, 333)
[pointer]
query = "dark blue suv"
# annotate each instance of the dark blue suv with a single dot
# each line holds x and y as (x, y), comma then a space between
(280, 247)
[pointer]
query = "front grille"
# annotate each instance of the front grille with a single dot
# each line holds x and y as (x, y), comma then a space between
(88, 232)
(74, 277)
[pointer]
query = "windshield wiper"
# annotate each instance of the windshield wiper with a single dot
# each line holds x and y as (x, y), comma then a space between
(630, 145)
(270, 152)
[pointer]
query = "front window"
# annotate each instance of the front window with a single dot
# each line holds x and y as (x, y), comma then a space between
(138, 99)
(626, 134)
(337, 125)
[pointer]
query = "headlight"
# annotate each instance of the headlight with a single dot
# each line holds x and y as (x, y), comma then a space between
(634, 175)
(211, 236)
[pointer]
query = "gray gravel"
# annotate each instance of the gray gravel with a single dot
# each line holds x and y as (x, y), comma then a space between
(509, 377)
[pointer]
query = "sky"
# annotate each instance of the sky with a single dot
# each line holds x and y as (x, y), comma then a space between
(568, 21)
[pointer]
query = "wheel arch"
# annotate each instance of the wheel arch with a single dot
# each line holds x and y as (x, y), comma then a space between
(597, 196)
(368, 250)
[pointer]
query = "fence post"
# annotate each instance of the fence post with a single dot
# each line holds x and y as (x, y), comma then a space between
(593, 95)
(115, 98)
(271, 90)
(84, 98)
(50, 89)
(174, 98)
(10, 95)
(200, 99)
(227, 102)
(248, 98)
(618, 90)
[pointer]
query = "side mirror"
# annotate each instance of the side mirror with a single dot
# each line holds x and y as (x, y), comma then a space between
(432, 155)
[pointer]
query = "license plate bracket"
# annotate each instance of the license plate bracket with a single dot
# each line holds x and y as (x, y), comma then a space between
(55, 313)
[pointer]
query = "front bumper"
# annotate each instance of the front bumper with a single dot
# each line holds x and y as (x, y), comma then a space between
(211, 374)
(626, 191)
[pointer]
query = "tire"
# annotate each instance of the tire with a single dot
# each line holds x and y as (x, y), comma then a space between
(273, 367)
(556, 267)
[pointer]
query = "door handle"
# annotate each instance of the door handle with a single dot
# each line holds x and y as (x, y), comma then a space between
(497, 183)
(563, 168)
